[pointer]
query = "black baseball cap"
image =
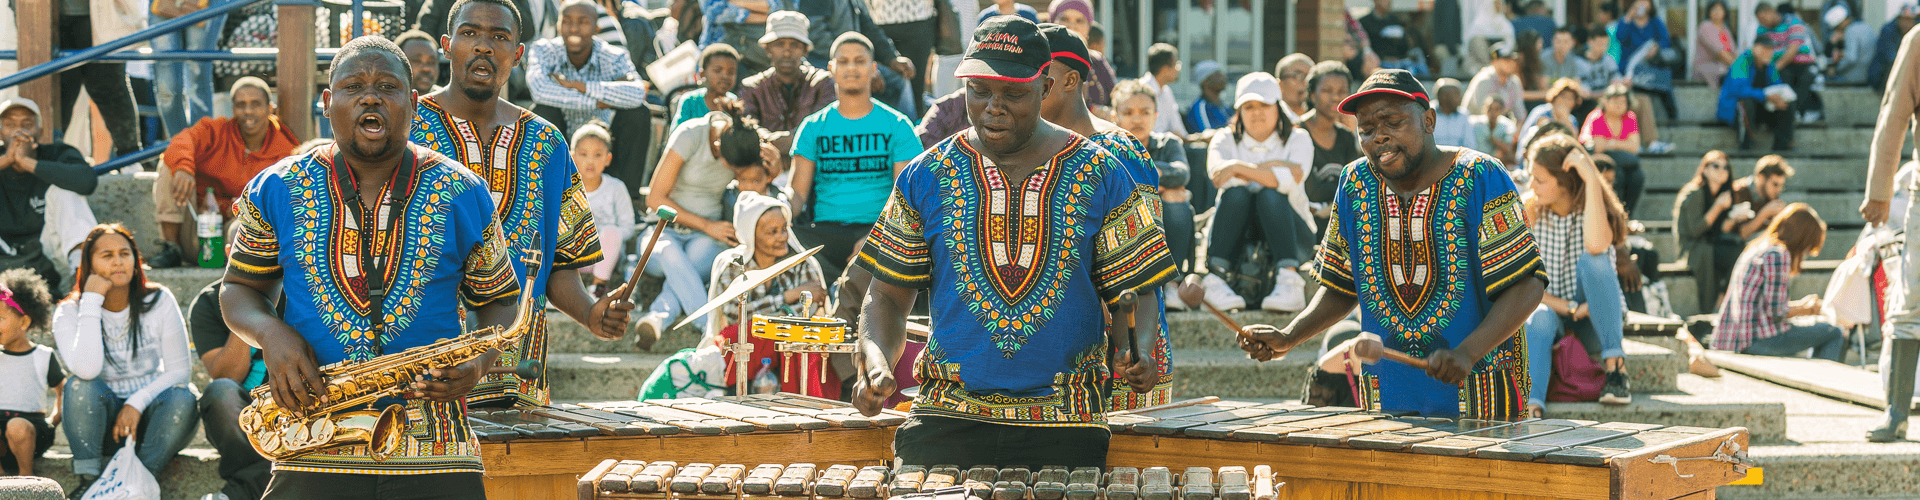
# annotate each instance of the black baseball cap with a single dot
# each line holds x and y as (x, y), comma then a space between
(1008, 48)
(1387, 81)
(1068, 49)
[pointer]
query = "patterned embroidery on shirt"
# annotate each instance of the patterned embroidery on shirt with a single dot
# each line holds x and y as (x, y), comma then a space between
(1016, 260)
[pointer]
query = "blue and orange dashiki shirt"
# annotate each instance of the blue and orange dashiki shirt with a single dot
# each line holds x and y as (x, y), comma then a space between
(1017, 275)
(536, 191)
(432, 239)
(1139, 164)
(1425, 273)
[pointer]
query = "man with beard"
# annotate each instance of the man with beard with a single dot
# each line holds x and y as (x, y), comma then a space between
(1431, 244)
(845, 156)
(1015, 370)
(527, 166)
(577, 78)
(786, 94)
(1066, 106)
(337, 227)
(423, 53)
(220, 154)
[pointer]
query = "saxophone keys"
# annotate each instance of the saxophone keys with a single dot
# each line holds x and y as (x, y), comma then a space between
(322, 431)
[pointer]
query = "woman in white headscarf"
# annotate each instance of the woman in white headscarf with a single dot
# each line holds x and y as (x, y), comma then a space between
(761, 223)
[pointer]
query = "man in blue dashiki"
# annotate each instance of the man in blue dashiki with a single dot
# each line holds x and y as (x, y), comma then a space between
(1430, 243)
(1022, 231)
(529, 172)
(372, 238)
(1066, 106)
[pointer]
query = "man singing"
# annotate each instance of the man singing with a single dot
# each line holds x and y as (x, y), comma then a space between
(372, 238)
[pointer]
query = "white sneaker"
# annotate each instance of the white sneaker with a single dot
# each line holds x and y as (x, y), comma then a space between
(1289, 293)
(1659, 148)
(214, 496)
(1221, 295)
(1172, 294)
(651, 326)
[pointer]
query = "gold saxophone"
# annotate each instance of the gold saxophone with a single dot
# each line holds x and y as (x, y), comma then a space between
(279, 433)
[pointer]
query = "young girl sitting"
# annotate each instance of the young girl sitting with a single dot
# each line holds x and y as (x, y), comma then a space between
(719, 70)
(1754, 317)
(126, 342)
(761, 224)
(25, 306)
(609, 199)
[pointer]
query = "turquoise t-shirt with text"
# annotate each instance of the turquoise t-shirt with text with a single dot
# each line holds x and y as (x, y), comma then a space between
(853, 160)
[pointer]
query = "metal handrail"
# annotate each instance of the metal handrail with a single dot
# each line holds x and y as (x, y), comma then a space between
(123, 161)
(249, 54)
(90, 54)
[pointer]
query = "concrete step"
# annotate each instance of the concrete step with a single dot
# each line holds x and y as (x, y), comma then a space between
(1839, 241)
(1833, 140)
(185, 282)
(1706, 408)
(599, 377)
(194, 473)
(1809, 172)
(1845, 105)
(1825, 455)
(1680, 289)
(128, 200)
(1837, 208)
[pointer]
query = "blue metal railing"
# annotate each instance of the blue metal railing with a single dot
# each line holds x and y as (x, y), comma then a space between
(126, 160)
(82, 57)
(260, 54)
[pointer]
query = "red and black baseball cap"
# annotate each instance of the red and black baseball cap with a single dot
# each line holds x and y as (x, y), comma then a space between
(1008, 48)
(1068, 49)
(1387, 81)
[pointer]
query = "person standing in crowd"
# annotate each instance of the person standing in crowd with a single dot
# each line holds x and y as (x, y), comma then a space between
(219, 154)
(234, 368)
(183, 90)
(702, 156)
(1703, 226)
(374, 169)
(1163, 69)
(1614, 130)
(828, 19)
(1077, 16)
(1391, 38)
(1562, 99)
(1849, 49)
(1258, 165)
(1631, 35)
(42, 190)
(743, 24)
(1795, 62)
(846, 155)
(1135, 111)
(577, 78)
(1487, 276)
(1207, 112)
(30, 369)
(1575, 221)
(793, 89)
(1713, 50)
(1487, 24)
(1746, 101)
(1045, 377)
(1888, 45)
(1755, 317)
(607, 197)
(423, 53)
(1334, 146)
(1900, 351)
(910, 24)
(1452, 124)
(1292, 71)
(529, 169)
(719, 64)
(1065, 105)
(126, 344)
(1500, 79)
(1762, 189)
(107, 84)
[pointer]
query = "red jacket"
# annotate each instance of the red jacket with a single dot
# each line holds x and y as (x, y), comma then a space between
(216, 154)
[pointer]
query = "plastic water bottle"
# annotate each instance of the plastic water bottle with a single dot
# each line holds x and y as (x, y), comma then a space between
(766, 382)
(213, 237)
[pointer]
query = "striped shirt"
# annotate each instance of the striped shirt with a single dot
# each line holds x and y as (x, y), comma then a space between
(1756, 303)
(900, 11)
(609, 75)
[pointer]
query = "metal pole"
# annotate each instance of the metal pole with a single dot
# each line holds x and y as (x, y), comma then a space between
(83, 56)
(359, 26)
(1145, 29)
(1293, 26)
(1258, 36)
(742, 349)
(258, 54)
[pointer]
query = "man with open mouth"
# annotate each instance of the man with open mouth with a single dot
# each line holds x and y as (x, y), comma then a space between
(343, 229)
(1016, 370)
(529, 170)
(1431, 244)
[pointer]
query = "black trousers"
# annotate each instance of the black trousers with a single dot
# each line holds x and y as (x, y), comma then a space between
(319, 486)
(1753, 113)
(1179, 226)
(106, 83)
(928, 441)
(1629, 181)
(914, 41)
(839, 238)
(1801, 78)
(246, 472)
(632, 132)
(1239, 208)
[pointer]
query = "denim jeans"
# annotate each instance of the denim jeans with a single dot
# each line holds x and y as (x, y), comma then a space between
(686, 260)
(89, 409)
(1827, 341)
(245, 471)
(183, 90)
(1179, 224)
(1600, 332)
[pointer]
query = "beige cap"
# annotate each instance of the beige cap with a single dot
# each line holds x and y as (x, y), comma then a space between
(22, 102)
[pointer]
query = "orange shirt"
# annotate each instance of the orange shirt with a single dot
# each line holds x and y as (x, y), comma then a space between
(215, 152)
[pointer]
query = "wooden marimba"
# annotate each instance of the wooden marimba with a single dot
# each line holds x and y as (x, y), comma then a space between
(633, 479)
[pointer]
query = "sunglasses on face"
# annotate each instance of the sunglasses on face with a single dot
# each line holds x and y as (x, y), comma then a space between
(1717, 166)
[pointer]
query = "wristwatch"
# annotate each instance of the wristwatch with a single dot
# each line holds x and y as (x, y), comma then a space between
(1572, 306)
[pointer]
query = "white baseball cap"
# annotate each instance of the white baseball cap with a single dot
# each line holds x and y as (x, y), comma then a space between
(1257, 86)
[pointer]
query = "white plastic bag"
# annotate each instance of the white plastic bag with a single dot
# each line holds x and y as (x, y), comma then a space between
(1849, 297)
(124, 479)
(675, 68)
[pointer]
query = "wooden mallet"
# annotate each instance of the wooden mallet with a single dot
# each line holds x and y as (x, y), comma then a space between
(1194, 294)
(666, 214)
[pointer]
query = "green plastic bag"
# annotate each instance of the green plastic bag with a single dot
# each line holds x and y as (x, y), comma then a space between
(661, 384)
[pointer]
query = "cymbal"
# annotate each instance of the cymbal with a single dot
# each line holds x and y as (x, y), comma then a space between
(754, 279)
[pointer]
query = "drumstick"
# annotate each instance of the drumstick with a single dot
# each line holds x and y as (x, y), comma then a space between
(1403, 358)
(666, 214)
